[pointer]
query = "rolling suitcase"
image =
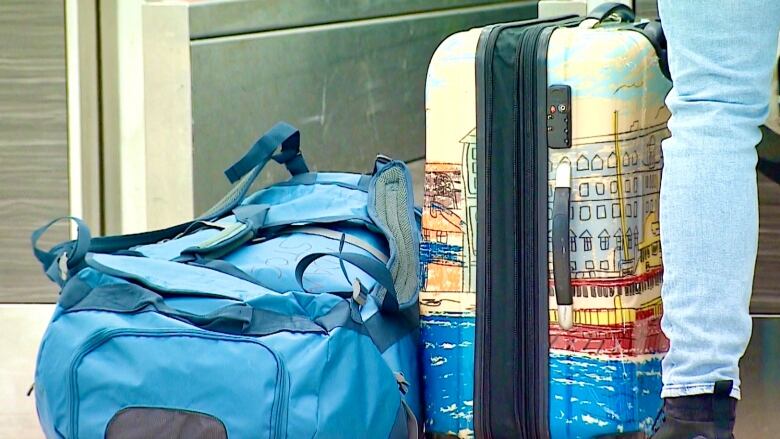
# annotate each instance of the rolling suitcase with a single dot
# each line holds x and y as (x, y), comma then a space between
(541, 251)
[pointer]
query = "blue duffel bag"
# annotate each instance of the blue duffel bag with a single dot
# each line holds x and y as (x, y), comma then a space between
(288, 313)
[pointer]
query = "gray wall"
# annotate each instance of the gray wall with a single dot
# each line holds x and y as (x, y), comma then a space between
(33, 148)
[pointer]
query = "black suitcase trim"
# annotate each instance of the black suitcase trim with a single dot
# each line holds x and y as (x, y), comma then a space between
(511, 367)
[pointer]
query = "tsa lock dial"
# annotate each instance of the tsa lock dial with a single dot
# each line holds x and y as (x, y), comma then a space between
(559, 117)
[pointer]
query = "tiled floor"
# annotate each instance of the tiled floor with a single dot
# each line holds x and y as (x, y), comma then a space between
(21, 328)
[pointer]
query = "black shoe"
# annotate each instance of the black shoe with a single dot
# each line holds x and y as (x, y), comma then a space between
(708, 416)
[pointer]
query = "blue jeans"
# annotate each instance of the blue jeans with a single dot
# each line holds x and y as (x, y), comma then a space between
(721, 56)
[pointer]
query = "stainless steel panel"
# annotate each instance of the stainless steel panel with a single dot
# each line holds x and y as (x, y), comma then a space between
(647, 8)
(760, 373)
(766, 285)
(228, 17)
(354, 89)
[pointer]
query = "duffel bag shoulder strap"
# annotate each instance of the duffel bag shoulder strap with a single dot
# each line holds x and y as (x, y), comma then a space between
(67, 257)
(367, 264)
(386, 327)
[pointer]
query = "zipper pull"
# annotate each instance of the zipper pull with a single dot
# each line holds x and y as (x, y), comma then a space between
(403, 385)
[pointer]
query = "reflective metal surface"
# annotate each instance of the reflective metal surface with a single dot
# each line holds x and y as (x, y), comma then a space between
(758, 414)
(212, 18)
(766, 284)
(354, 88)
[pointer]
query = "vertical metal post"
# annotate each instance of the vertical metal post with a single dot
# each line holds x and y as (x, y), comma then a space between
(81, 43)
(167, 113)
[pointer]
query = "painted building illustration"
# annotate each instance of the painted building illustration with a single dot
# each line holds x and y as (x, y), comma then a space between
(611, 199)
(469, 169)
(448, 250)
(614, 244)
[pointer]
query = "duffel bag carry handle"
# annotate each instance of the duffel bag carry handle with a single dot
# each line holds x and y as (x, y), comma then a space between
(604, 12)
(65, 257)
(242, 174)
(281, 135)
(249, 219)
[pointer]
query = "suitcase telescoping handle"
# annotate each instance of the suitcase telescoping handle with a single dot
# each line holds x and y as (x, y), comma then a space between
(560, 246)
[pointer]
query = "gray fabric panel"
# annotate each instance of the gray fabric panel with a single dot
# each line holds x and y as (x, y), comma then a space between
(400, 428)
(163, 423)
(393, 200)
(387, 329)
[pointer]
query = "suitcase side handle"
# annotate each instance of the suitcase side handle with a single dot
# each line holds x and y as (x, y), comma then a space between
(560, 245)
(604, 11)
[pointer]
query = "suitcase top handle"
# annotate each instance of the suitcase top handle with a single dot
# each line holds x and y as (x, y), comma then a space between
(605, 11)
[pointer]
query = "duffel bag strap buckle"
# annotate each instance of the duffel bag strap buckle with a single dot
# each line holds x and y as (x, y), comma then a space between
(62, 264)
(359, 294)
(403, 385)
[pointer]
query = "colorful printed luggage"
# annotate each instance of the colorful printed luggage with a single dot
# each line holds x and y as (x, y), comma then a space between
(290, 312)
(541, 251)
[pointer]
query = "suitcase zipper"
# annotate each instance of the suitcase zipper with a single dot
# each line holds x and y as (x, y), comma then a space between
(533, 224)
(278, 412)
(526, 284)
(484, 55)
(526, 333)
(520, 330)
(536, 62)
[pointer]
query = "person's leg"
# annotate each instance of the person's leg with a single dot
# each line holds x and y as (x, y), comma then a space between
(721, 56)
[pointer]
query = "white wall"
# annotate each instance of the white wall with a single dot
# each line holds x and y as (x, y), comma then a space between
(122, 117)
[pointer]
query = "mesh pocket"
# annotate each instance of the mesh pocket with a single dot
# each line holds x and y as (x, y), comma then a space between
(163, 423)
(393, 204)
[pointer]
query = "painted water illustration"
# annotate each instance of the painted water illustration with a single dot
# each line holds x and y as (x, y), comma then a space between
(592, 396)
(589, 396)
(448, 365)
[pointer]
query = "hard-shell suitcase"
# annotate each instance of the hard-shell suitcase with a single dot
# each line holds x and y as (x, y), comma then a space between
(541, 299)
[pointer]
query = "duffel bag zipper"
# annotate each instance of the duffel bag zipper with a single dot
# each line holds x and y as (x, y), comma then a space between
(278, 412)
